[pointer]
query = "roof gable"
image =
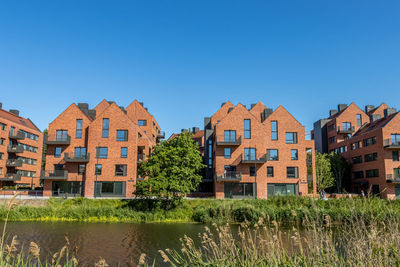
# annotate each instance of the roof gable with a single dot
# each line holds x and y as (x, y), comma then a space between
(257, 109)
(72, 109)
(281, 112)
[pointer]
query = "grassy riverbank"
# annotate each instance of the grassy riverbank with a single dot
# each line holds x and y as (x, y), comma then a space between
(284, 209)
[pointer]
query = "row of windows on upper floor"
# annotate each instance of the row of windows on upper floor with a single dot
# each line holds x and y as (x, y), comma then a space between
(291, 137)
(23, 173)
(120, 169)
(24, 160)
(374, 173)
(291, 172)
(394, 139)
(373, 157)
(25, 146)
(26, 134)
(271, 155)
(101, 152)
(346, 125)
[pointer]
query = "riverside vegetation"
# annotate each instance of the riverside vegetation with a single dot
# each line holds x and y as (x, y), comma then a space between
(279, 209)
(363, 238)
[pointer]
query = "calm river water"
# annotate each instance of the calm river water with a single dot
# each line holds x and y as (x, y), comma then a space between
(117, 243)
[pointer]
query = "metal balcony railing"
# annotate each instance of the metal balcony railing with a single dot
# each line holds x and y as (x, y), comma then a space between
(76, 157)
(391, 144)
(16, 135)
(55, 174)
(14, 163)
(57, 139)
(11, 177)
(254, 160)
(15, 149)
(346, 130)
(161, 135)
(230, 176)
(390, 178)
(221, 141)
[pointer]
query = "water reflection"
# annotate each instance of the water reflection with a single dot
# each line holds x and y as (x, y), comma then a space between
(117, 243)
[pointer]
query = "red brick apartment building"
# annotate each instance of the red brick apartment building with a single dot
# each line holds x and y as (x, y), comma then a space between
(21, 144)
(95, 152)
(370, 142)
(257, 152)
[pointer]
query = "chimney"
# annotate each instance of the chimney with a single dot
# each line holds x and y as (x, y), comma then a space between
(195, 129)
(141, 103)
(230, 109)
(266, 113)
(223, 103)
(14, 111)
(92, 113)
(341, 107)
(368, 108)
(1, 105)
(184, 130)
(389, 111)
(207, 123)
(83, 106)
(252, 105)
(332, 112)
(374, 117)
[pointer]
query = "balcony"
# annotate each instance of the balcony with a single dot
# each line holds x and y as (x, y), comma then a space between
(161, 135)
(345, 130)
(76, 158)
(141, 157)
(15, 149)
(230, 177)
(16, 135)
(390, 178)
(250, 160)
(391, 144)
(11, 177)
(14, 163)
(229, 142)
(63, 140)
(54, 175)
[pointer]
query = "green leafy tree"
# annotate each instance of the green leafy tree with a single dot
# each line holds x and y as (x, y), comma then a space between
(172, 170)
(324, 175)
(340, 168)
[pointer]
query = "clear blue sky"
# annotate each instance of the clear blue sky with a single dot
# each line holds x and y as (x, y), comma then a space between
(183, 58)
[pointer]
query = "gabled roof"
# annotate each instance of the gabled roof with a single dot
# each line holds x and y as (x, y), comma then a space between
(239, 107)
(344, 110)
(18, 120)
(378, 110)
(282, 109)
(378, 124)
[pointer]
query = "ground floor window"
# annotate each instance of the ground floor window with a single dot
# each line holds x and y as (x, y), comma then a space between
(109, 189)
(282, 189)
(239, 190)
(397, 191)
(64, 188)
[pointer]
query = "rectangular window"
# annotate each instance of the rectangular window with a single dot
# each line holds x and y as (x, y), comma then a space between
(106, 126)
(2, 140)
(358, 174)
(80, 152)
(252, 171)
(291, 138)
(396, 173)
(57, 152)
(210, 154)
(357, 160)
(395, 139)
(229, 136)
(122, 135)
(227, 153)
(124, 152)
(294, 154)
(372, 173)
(355, 145)
(78, 133)
(346, 126)
(359, 119)
(292, 172)
(331, 127)
(97, 169)
(247, 129)
(274, 130)
(2, 126)
(332, 139)
(142, 122)
(239, 190)
(272, 154)
(369, 141)
(395, 155)
(249, 153)
(102, 152)
(120, 170)
(1, 155)
(62, 135)
(270, 171)
(371, 157)
(81, 169)
(282, 190)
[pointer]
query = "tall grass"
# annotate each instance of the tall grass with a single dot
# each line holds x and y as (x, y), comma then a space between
(205, 210)
(315, 243)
